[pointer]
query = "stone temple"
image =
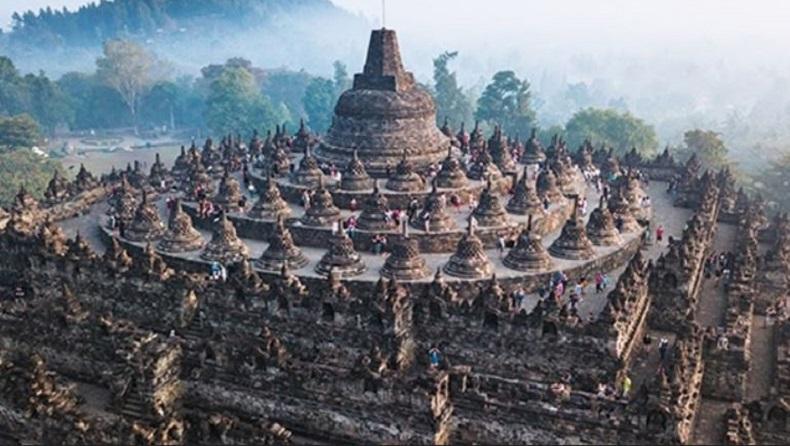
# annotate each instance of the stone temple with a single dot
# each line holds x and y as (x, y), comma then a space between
(384, 115)
(316, 312)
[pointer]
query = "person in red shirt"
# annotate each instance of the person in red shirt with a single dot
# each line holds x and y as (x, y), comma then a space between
(660, 233)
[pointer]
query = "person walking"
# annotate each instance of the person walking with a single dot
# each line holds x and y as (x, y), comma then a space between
(598, 282)
(626, 386)
(501, 244)
(663, 347)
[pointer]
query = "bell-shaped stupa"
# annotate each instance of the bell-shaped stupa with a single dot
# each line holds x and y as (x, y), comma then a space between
(384, 114)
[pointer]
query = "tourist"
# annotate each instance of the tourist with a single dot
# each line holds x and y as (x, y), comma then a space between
(501, 244)
(579, 287)
(518, 298)
(122, 228)
(379, 242)
(584, 206)
(455, 201)
(352, 205)
(663, 347)
(412, 209)
(546, 203)
(351, 225)
(306, 199)
(472, 204)
(111, 221)
(435, 357)
(216, 270)
(723, 343)
(626, 386)
(426, 221)
(660, 233)
(605, 281)
(574, 300)
(472, 222)
(396, 216)
(243, 203)
(598, 282)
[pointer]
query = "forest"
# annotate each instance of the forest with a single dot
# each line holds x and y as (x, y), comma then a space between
(97, 22)
(172, 47)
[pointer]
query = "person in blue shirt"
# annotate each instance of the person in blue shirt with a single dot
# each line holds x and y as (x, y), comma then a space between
(434, 356)
(216, 270)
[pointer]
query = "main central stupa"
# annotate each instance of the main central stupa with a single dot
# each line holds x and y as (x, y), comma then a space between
(384, 116)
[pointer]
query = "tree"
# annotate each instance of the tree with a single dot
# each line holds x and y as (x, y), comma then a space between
(708, 146)
(129, 69)
(17, 132)
(287, 87)
(47, 103)
(776, 181)
(451, 102)
(235, 104)
(160, 104)
(621, 131)
(340, 77)
(24, 168)
(505, 101)
(94, 104)
(318, 102)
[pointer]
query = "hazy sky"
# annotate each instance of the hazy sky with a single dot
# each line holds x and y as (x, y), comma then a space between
(711, 18)
(666, 59)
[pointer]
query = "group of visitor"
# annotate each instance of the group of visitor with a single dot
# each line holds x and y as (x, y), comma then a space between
(719, 265)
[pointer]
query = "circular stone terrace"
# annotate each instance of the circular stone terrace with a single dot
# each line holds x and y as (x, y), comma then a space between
(436, 248)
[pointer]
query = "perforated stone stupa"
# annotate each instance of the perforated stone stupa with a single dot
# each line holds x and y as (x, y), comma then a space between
(384, 114)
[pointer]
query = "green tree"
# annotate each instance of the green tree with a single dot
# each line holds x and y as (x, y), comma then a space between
(622, 131)
(47, 102)
(287, 87)
(160, 104)
(18, 132)
(24, 168)
(451, 102)
(12, 93)
(129, 69)
(506, 101)
(94, 104)
(319, 100)
(235, 104)
(707, 145)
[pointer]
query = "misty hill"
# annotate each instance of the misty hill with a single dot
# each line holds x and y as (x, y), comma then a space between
(189, 33)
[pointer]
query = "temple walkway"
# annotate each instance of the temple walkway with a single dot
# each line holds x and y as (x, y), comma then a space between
(763, 360)
(711, 312)
(712, 303)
